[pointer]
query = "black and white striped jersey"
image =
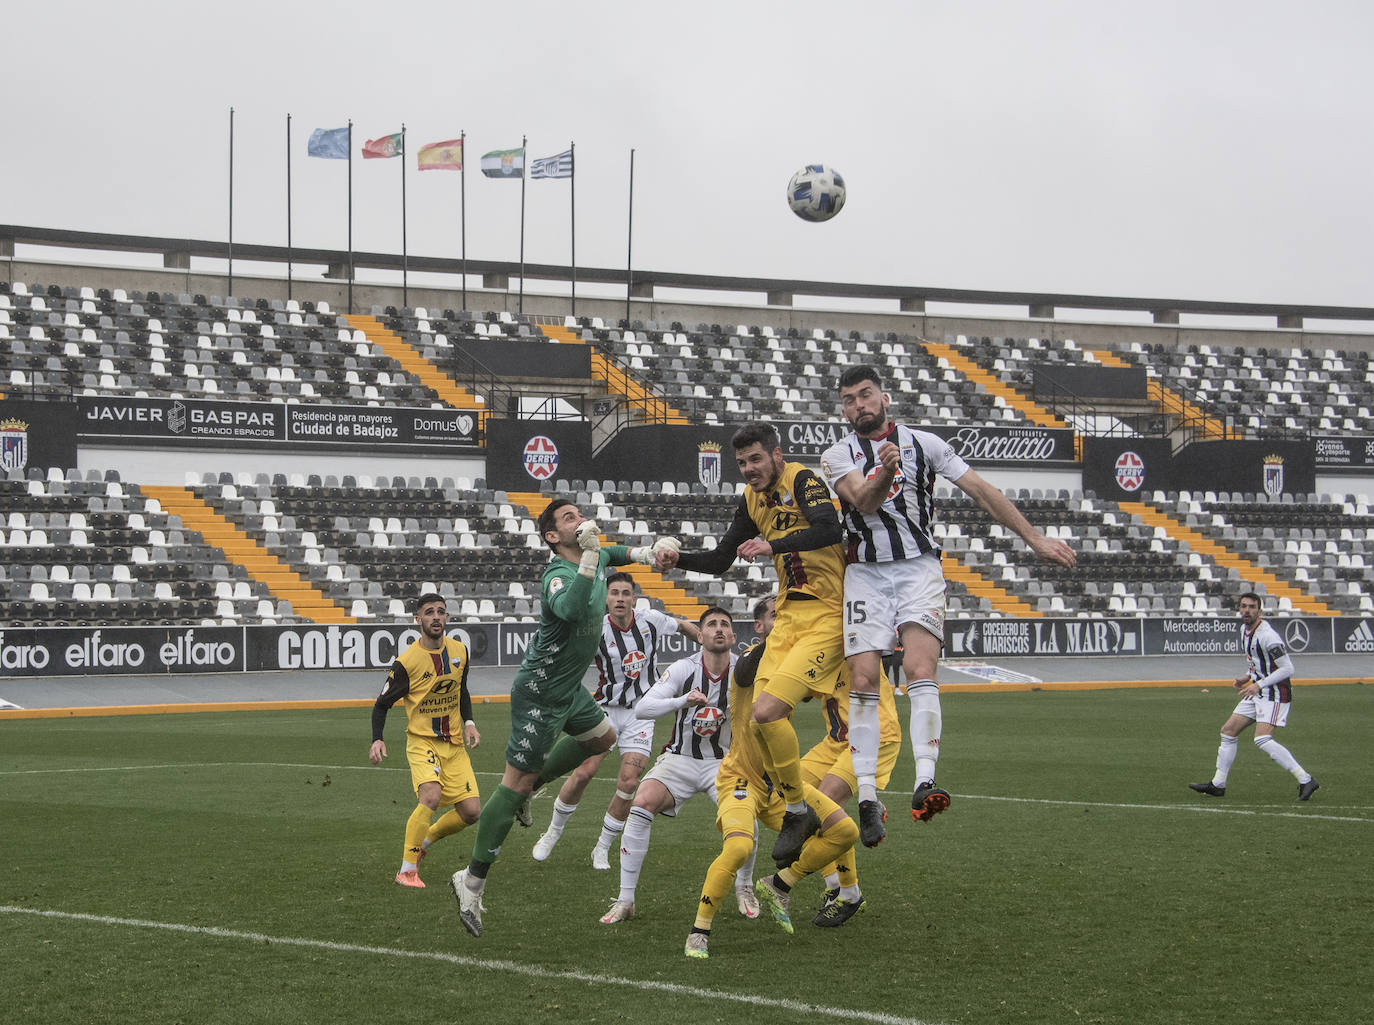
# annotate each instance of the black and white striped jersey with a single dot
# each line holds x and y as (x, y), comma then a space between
(697, 732)
(627, 660)
(1270, 665)
(901, 528)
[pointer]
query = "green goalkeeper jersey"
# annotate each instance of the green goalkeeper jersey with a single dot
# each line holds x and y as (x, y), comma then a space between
(573, 608)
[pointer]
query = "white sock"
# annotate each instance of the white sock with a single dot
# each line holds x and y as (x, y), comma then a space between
(1226, 756)
(561, 812)
(863, 742)
(409, 866)
(849, 893)
(611, 828)
(925, 727)
(745, 875)
(832, 881)
(634, 847)
(1282, 756)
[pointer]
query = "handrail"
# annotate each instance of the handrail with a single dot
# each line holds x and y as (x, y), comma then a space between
(779, 291)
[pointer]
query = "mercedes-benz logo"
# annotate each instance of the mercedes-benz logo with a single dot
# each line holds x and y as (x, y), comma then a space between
(1296, 635)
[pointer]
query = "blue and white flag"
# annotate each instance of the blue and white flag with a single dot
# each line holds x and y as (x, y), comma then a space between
(330, 143)
(557, 166)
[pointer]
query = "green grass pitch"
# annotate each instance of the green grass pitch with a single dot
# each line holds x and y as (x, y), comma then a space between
(237, 867)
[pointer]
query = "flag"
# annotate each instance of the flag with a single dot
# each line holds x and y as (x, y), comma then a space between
(558, 166)
(441, 156)
(330, 143)
(504, 163)
(386, 146)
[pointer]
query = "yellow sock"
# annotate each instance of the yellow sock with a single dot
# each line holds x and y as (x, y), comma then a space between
(415, 833)
(848, 870)
(782, 755)
(821, 849)
(720, 877)
(445, 825)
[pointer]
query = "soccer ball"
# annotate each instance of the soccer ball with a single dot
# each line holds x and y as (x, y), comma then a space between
(707, 720)
(816, 193)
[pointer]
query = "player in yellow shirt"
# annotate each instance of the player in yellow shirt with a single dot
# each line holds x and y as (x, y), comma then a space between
(787, 513)
(745, 798)
(829, 767)
(431, 676)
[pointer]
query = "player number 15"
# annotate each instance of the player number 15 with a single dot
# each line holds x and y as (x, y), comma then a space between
(854, 612)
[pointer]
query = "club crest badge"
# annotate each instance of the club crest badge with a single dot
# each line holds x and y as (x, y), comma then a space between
(1273, 475)
(708, 463)
(14, 445)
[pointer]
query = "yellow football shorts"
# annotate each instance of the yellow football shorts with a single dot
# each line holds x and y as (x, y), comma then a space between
(833, 758)
(438, 761)
(805, 652)
(741, 803)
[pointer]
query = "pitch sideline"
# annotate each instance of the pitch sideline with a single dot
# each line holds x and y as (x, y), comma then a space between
(512, 967)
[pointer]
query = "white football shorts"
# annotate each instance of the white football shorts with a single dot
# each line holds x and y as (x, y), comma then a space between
(1275, 713)
(632, 735)
(880, 597)
(684, 777)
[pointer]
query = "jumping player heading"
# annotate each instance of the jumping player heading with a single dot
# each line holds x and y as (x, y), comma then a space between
(894, 586)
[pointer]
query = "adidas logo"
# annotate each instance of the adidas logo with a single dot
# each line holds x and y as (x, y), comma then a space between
(1362, 639)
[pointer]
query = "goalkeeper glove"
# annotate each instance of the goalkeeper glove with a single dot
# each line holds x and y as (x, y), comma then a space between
(645, 553)
(590, 544)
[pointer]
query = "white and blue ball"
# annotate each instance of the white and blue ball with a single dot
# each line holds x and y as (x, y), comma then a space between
(816, 193)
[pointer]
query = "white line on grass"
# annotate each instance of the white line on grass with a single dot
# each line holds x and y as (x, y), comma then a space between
(1270, 810)
(512, 967)
(1199, 809)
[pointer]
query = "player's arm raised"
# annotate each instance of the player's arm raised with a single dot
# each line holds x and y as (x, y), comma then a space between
(719, 559)
(865, 494)
(1000, 508)
(663, 698)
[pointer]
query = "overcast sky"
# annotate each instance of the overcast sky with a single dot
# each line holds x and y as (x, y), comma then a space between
(1174, 149)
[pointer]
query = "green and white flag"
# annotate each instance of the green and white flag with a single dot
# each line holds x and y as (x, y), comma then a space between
(504, 163)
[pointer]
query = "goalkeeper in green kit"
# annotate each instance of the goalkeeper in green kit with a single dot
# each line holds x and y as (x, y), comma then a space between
(547, 696)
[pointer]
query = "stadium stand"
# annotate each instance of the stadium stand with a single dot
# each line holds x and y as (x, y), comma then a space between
(93, 549)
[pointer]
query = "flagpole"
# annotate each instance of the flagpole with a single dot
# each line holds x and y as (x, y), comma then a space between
(350, 215)
(463, 211)
(288, 207)
(572, 212)
(405, 253)
(629, 242)
(524, 141)
(231, 202)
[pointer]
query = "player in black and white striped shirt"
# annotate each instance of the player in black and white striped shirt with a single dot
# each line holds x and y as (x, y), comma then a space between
(626, 665)
(1265, 696)
(696, 691)
(894, 586)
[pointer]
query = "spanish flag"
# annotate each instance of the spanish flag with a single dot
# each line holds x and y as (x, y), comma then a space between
(441, 156)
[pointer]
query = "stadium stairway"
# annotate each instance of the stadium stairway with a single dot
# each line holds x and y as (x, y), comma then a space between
(1222, 556)
(981, 587)
(990, 383)
(651, 584)
(615, 378)
(1169, 401)
(416, 365)
(238, 547)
